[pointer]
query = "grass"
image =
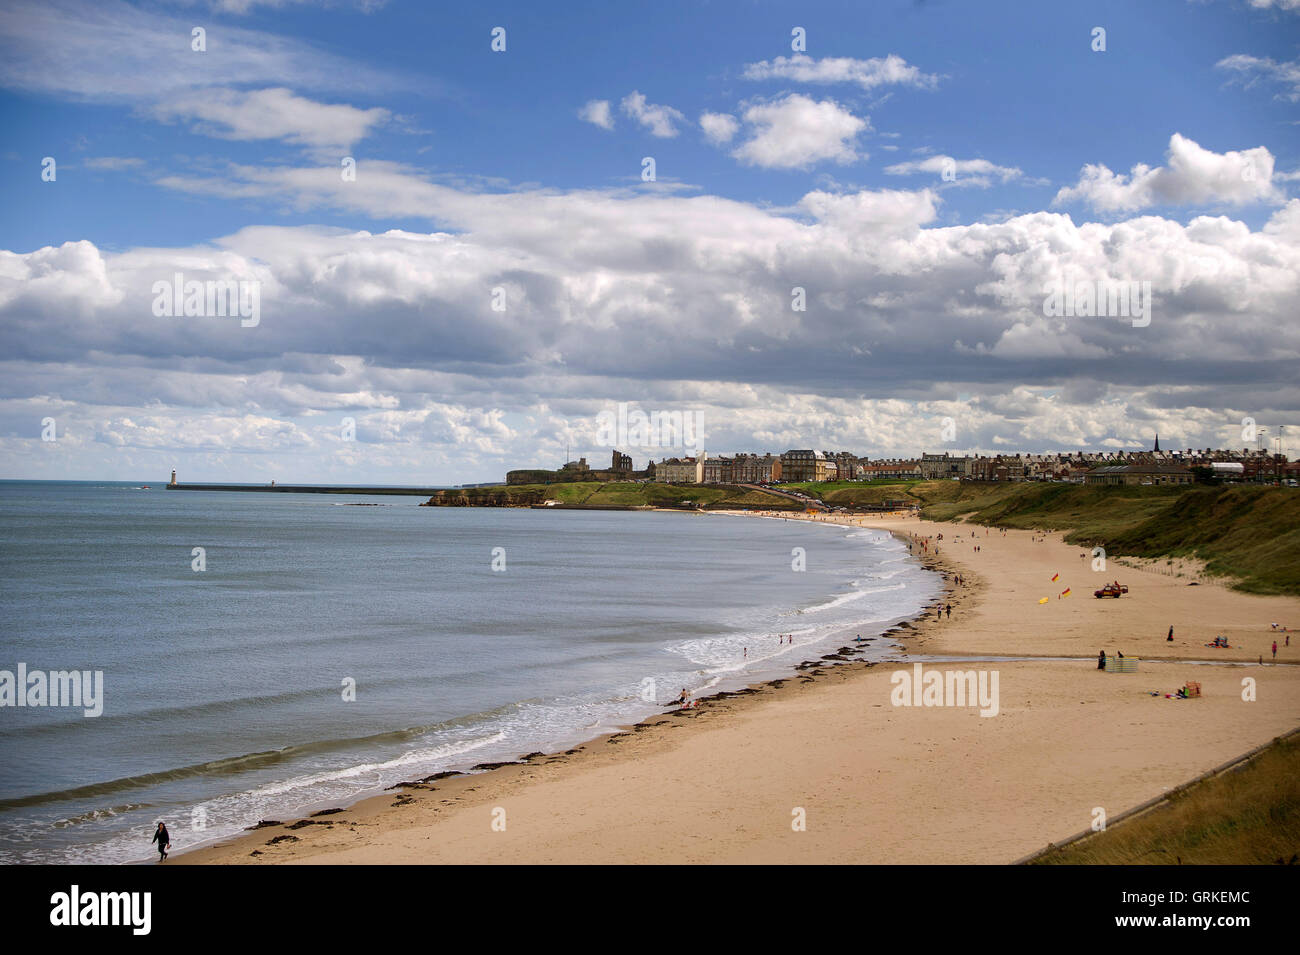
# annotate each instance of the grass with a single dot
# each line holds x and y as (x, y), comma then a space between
(1249, 815)
(1247, 533)
(616, 494)
(857, 493)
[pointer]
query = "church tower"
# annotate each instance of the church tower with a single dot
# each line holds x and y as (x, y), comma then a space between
(1156, 449)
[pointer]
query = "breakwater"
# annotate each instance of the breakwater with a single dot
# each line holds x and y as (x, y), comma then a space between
(309, 489)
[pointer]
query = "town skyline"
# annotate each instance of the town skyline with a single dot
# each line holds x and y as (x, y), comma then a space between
(811, 465)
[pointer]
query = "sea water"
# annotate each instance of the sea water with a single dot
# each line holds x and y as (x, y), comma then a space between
(315, 651)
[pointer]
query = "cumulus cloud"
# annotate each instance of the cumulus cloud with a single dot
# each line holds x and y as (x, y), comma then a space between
(271, 114)
(597, 113)
(659, 120)
(669, 301)
(795, 132)
(1193, 176)
(719, 128)
(891, 70)
(862, 214)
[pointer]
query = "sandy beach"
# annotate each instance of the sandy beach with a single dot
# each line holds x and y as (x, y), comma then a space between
(824, 767)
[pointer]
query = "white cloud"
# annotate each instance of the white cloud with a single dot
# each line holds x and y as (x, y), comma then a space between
(597, 113)
(108, 50)
(978, 172)
(891, 70)
(795, 132)
(272, 114)
(719, 128)
(671, 301)
(245, 6)
(113, 163)
(1256, 69)
(1194, 175)
(862, 214)
(658, 119)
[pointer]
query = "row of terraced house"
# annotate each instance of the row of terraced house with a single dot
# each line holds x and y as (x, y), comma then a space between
(1092, 467)
(806, 464)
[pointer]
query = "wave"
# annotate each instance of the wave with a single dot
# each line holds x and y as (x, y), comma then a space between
(247, 762)
(95, 815)
(851, 596)
(414, 757)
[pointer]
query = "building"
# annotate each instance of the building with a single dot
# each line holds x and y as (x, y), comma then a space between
(718, 471)
(752, 469)
(805, 465)
(846, 466)
(997, 468)
(620, 469)
(681, 470)
(940, 467)
(891, 470)
(1139, 473)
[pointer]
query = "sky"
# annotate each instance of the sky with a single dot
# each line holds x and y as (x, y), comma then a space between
(461, 236)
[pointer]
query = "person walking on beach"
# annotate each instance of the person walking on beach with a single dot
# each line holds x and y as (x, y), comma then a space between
(1101, 659)
(1274, 649)
(1170, 638)
(164, 840)
(949, 609)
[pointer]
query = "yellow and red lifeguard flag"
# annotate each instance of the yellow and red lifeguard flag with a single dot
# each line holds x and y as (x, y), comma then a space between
(1055, 577)
(1065, 592)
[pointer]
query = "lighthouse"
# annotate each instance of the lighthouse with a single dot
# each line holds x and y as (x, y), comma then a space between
(173, 481)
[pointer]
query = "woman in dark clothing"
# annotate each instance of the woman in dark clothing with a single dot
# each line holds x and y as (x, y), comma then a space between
(1101, 659)
(164, 840)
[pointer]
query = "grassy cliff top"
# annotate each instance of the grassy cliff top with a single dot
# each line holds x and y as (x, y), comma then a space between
(1245, 532)
(616, 494)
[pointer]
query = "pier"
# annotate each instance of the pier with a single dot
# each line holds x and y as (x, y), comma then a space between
(309, 489)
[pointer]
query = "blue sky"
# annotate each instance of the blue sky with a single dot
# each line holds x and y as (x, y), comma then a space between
(1019, 85)
(773, 168)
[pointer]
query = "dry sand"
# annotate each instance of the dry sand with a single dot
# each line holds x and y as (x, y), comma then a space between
(875, 782)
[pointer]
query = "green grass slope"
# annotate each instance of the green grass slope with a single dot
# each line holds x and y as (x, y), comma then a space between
(1248, 533)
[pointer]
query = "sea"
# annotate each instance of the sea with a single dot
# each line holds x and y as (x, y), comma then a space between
(266, 655)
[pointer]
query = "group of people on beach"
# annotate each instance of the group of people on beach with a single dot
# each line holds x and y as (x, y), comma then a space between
(1101, 658)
